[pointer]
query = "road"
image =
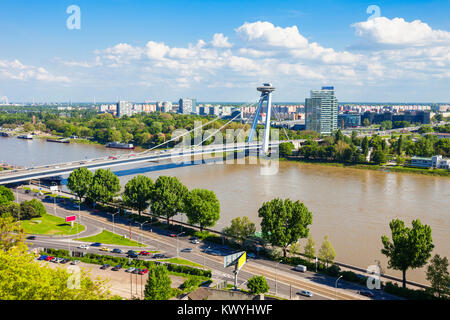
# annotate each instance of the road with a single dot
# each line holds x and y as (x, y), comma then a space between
(288, 280)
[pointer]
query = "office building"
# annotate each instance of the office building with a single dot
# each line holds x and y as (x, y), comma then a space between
(124, 108)
(349, 120)
(187, 106)
(322, 111)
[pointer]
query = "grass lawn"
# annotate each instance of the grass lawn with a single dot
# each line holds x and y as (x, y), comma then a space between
(50, 225)
(181, 261)
(107, 237)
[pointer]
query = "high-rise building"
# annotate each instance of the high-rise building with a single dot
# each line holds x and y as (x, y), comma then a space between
(322, 111)
(124, 108)
(187, 106)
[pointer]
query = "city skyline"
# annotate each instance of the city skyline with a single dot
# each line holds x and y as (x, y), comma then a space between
(147, 52)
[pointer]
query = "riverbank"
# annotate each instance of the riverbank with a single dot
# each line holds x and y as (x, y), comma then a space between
(386, 168)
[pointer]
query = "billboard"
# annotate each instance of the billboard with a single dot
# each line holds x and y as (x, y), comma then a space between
(71, 218)
(242, 260)
(232, 258)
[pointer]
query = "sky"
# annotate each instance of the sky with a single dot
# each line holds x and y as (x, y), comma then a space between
(385, 51)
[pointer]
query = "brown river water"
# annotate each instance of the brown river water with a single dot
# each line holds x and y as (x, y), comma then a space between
(352, 206)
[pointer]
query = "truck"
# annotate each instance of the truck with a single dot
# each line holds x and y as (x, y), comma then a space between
(300, 268)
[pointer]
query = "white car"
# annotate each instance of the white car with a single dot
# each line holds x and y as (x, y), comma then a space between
(83, 246)
(195, 241)
(305, 293)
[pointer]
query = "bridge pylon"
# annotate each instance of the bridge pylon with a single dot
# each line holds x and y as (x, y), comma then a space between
(266, 96)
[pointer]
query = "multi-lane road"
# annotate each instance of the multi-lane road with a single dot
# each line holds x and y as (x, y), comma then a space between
(282, 279)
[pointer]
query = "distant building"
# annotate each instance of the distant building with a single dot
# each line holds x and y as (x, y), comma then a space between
(349, 120)
(124, 108)
(187, 106)
(433, 162)
(322, 111)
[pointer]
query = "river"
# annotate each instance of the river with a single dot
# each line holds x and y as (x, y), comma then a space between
(352, 206)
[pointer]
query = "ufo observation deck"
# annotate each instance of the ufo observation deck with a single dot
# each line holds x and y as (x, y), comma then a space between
(267, 87)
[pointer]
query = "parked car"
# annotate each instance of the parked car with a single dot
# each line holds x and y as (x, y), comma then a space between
(144, 253)
(159, 256)
(43, 257)
(64, 261)
(305, 293)
(49, 258)
(96, 244)
(143, 271)
(366, 293)
(195, 241)
(172, 235)
(136, 271)
(300, 268)
(75, 262)
(117, 268)
(56, 260)
(105, 266)
(117, 250)
(187, 250)
(130, 269)
(83, 246)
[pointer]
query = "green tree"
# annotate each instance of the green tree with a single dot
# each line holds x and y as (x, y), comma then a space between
(202, 207)
(138, 192)
(410, 247)
(6, 195)
(365, 146)
(27, 211)
(366, 122)
(310, 248)
(326, 252)
(38, 207)
(386, 125)
(168, 197)
(79, 182)
(158, 284)
(11, 235)
(438, 275)
(284, 222)
(379, 157)
(240, 228)
(286, 149)
(105, 185)
(258, 285)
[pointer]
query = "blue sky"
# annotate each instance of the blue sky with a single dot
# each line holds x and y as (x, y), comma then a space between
(220, 50)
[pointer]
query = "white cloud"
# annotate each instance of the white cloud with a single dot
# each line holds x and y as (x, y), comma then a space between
(220, 41)
(17, 71)
(398, 32)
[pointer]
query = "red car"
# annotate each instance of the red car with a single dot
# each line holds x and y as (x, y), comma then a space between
(143, 271)
(112, 158)
(49, 258)
(173, 235)
(144, 253)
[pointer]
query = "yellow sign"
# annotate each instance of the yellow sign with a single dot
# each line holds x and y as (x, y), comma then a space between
(242, 260)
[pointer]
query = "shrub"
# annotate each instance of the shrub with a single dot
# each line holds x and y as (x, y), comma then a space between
(333, 271)
(409, 294)
(258, 285)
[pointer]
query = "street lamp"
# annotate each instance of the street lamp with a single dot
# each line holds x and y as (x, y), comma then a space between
(335, 289)
(276, 276)
(113, 214)
(177, 241)
(142, 224)
(204, 255)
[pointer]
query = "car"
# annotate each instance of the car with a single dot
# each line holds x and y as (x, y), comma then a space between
(144, 253)
(143, 271)
(75, 262)
(43, 257)
(187, 250)
(105, 266)
(366, 293)
(136, 271)
(132, 255)
(104, 249)
(251, 255)
(305, 293)
(117, 268)
(159, 256)
(27, 191)
(195, 241)
(31, 237)
(49, 258)
(83, 246)
(56, 260)
(172, 235)
(131, 252)
(96, 244)
(300, 268)
(117, 250)
(130, 269)
(64, 261)
(112, 158)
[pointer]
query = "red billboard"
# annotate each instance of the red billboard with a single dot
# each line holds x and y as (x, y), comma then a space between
(71, 218)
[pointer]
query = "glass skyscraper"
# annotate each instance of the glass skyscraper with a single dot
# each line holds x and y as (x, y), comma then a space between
(321, 111)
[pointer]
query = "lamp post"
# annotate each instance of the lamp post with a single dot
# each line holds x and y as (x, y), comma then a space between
(113, 214)
(335, 289)
(177, 241)
(276, 276)
(204, 255)
(142, 224)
